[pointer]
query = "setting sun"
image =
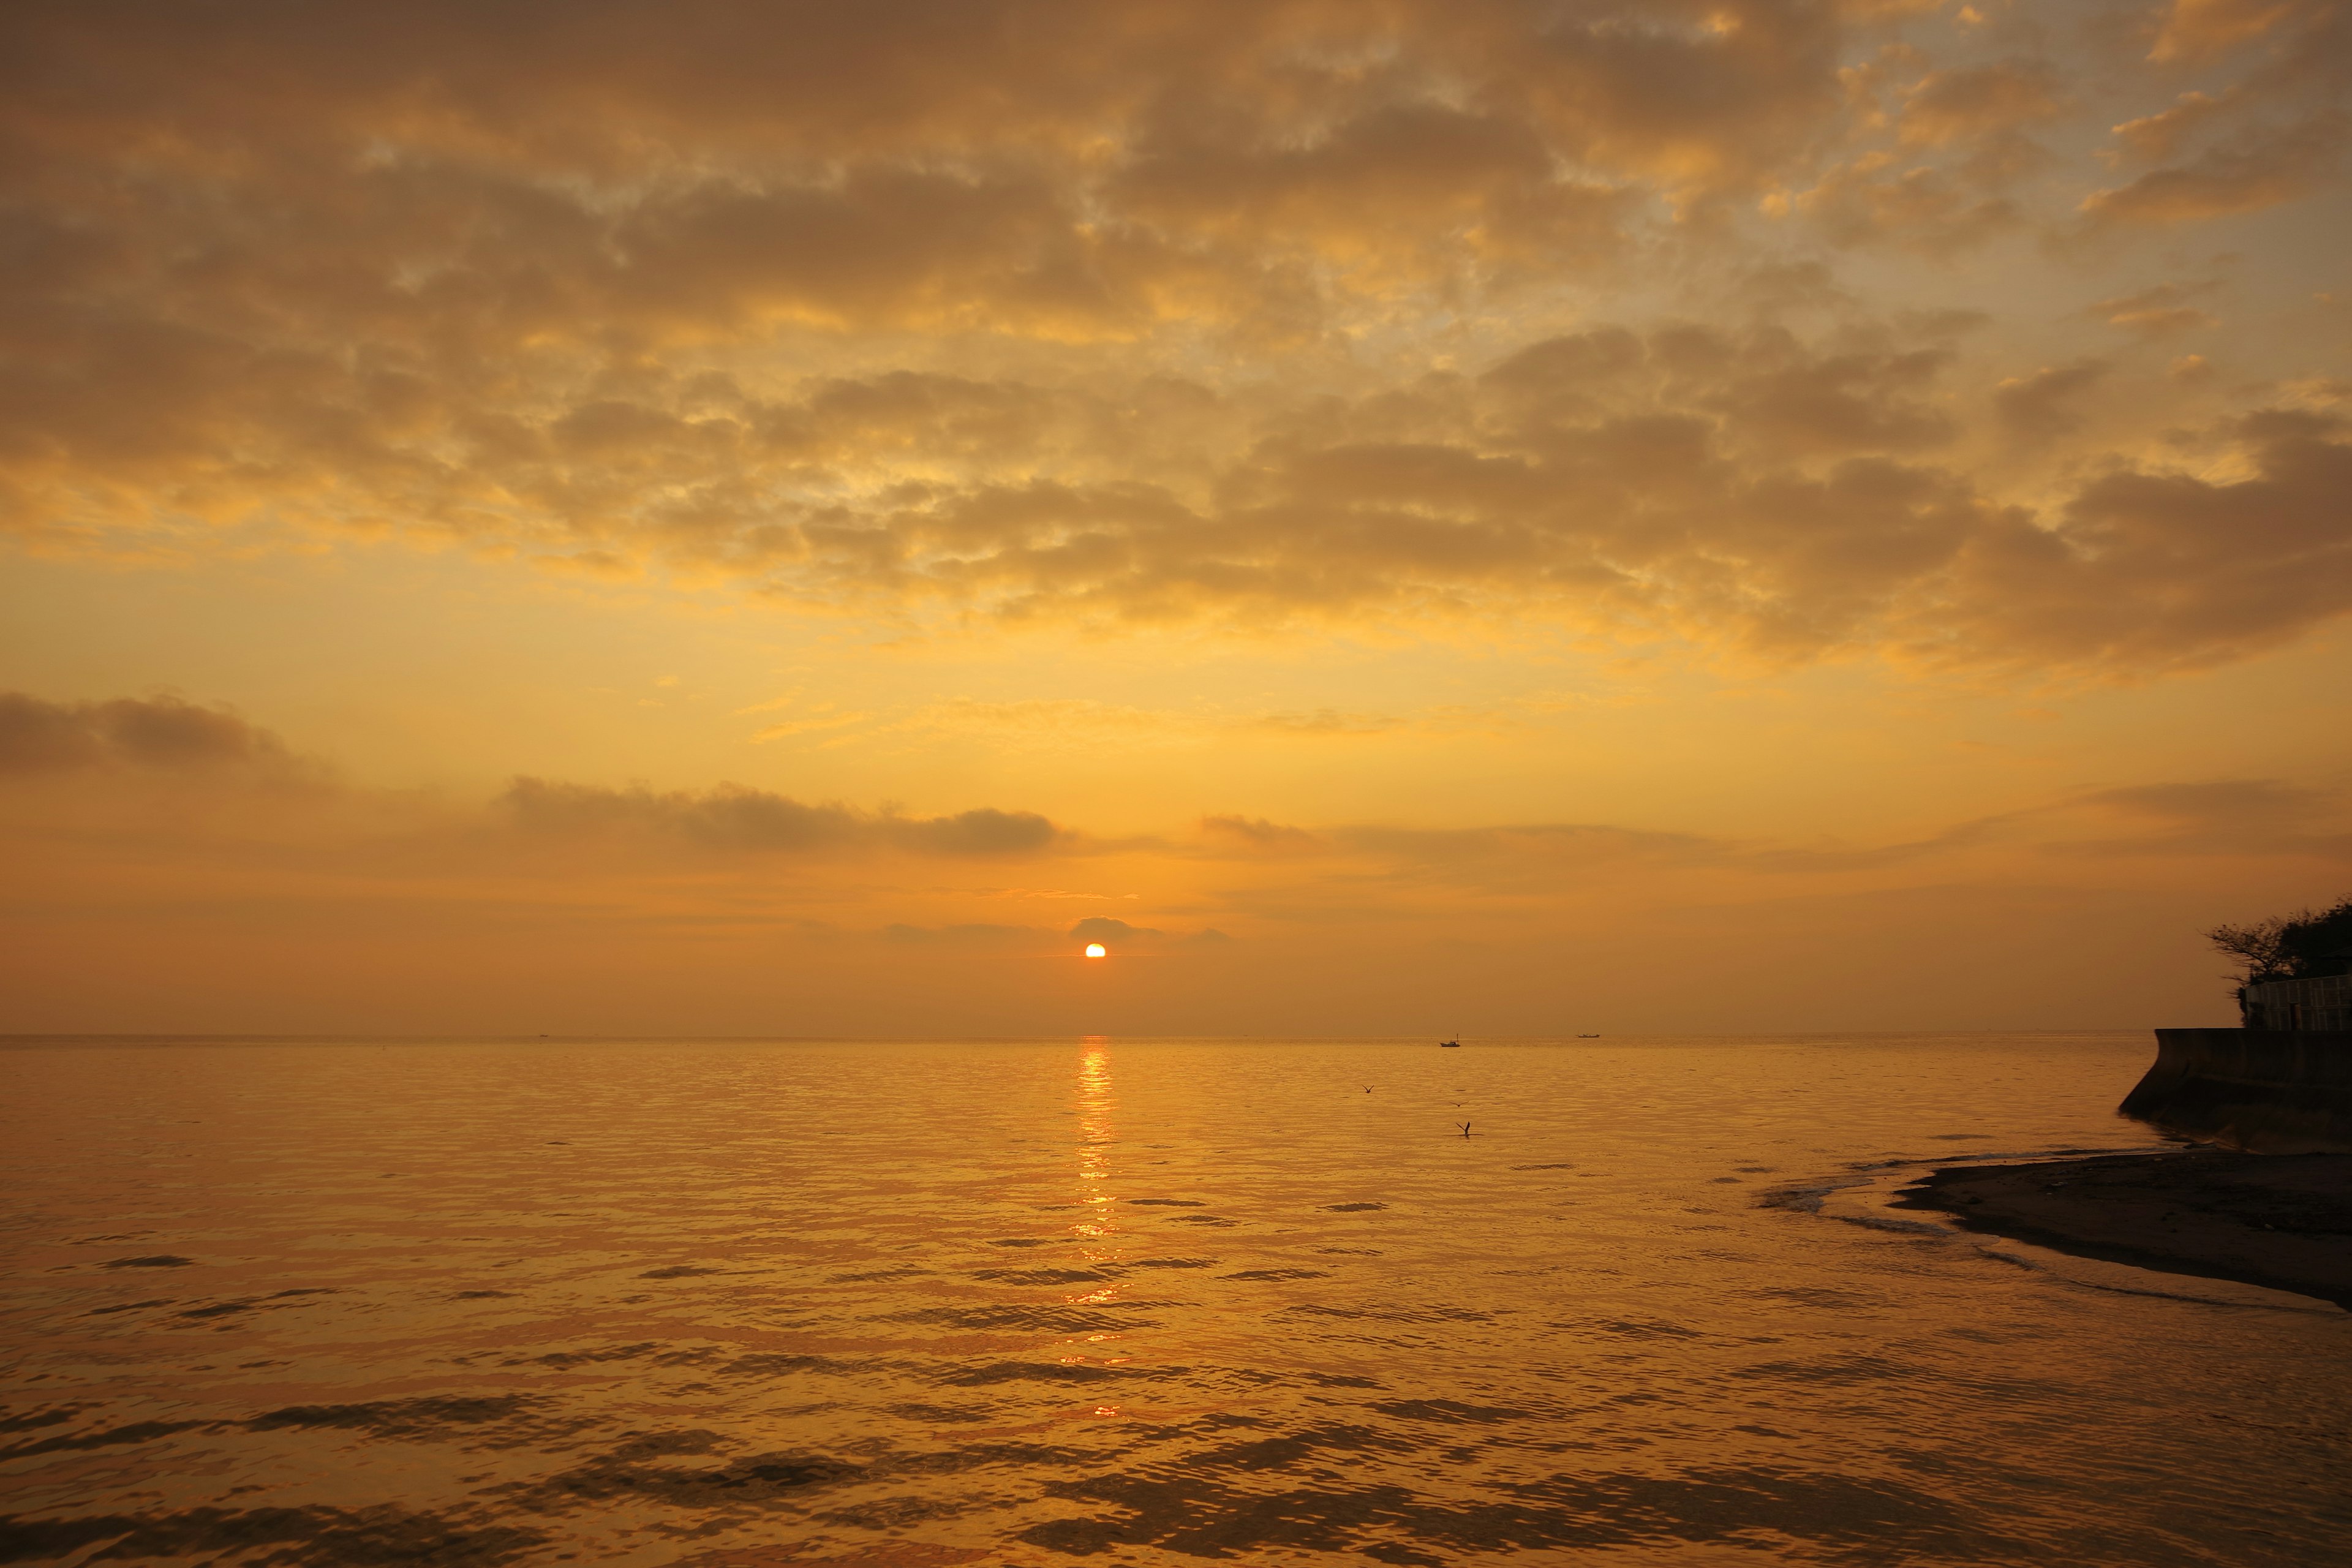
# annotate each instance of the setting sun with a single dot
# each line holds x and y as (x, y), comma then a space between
(1094, 950)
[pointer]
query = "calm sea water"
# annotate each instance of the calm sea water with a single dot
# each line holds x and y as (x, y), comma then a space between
(917, 1305)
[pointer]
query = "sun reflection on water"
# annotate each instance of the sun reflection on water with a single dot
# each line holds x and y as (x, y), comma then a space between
(1096, 1225)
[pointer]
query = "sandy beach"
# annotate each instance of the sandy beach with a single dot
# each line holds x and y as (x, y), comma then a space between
(2278, 1220)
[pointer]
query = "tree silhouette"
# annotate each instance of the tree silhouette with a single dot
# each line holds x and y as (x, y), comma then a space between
(2300, 946)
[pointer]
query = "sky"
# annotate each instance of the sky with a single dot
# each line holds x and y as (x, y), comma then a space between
(1393, 517)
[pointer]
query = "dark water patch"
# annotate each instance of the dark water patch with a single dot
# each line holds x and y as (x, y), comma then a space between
(632, 1470)
(1047, 1276)
(988, 1375)
(1180, 1510)
(440, 1417)
(583, 1358)
(1842, 1372)
(1959, 1137)
(1276, 1274)
(897, 1513)
(1173, 1263)
(159, 1260)
(679, 1271)
(1543, 1167)
(1338, 1379)
(317, 1535)
(481, 1294)
(1278, 1451)
(34, 1420)
(112, 1436)
(779, 1363)
(1030, 1320)
(1195, 1517)
(1636, 1329)
(1885, 1519)
(219, 1309)
(941, 1415)
(1204, 1219)
(1449, 1411)
(1353, 1209)
(1805, 1199)
(1395, 1314)
(130, 1307)
(1029, 1241)
(898, 1271)
(1169, 1203)
(1810, 1296)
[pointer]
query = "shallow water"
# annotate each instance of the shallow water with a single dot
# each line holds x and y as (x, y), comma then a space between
(915, 1305)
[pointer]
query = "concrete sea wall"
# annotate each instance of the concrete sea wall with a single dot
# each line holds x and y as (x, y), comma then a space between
(2280, 1090)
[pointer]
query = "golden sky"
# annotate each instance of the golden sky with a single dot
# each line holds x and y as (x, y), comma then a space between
(1392, 515)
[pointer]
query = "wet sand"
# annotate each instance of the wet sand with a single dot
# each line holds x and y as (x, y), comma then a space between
(2279, 1220)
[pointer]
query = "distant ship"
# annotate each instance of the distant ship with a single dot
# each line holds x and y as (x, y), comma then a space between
(1449, 1045)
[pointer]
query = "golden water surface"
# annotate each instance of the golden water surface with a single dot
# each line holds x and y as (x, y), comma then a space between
(917, 1305)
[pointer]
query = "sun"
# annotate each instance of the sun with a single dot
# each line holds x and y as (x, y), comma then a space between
(1096, 949)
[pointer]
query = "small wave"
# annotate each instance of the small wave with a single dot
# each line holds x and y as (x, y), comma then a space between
(1033, 1320)
(1046, 1276)
(109, 1437)
(627, 1471)
(410, 1420)
(316, 1534)
(1394, 1314)
(1449, 1411)
(989, 1373)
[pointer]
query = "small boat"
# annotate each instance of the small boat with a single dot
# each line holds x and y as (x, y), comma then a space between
(1449, 1045)
(1588, 1037)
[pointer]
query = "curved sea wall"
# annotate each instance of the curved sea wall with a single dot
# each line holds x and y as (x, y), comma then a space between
(2281, 1090)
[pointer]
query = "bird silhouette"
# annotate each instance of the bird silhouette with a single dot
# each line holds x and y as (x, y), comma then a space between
(1466, 1130)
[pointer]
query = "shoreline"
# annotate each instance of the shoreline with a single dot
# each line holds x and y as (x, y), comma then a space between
(2281, 1221)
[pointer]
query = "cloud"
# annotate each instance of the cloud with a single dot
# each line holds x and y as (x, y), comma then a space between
(2037, 406)
(1254, 836)
(2198, 29)
(2260, 171)
(2155, 137)
(732, 819)
(1978, 101)
(2157, 311)
(162, 733)
(1116, 935)
(2224, 817)
(2151, 571)
(1272, 317)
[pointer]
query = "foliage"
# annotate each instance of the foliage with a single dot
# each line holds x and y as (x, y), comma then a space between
(2299, 946)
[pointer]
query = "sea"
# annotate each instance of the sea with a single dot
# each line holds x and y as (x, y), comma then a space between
(916, 1304)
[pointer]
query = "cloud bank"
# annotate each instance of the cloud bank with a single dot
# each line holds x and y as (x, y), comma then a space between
(1121, 316)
